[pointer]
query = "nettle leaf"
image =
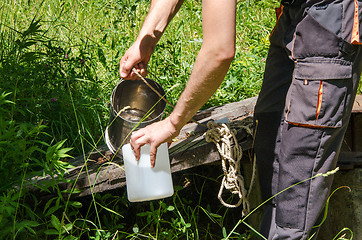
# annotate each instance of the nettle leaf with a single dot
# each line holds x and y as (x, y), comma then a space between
(55, 222)
(3, 100)
(144, 214)
(47, 205)
(56, 152)
(76, 204)
(28, 225)
(51, 232)
(62, 153)
(224, 234)
(52, 209)
(68, 227)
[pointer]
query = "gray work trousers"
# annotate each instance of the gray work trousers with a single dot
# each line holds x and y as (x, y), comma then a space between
(310, 82)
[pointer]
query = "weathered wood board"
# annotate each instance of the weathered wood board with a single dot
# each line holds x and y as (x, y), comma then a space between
(101, 171)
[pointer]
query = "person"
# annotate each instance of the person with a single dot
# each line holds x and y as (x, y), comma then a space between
(310, 81)
(211, 65)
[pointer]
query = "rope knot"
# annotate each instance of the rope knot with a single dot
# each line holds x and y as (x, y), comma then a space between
(223, 137)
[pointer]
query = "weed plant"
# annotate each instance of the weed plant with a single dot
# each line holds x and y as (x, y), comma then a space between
(58, 65)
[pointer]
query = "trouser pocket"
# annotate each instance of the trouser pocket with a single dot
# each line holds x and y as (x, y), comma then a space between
(318, 93)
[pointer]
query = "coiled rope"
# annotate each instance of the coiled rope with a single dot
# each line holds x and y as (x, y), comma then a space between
(224, 138)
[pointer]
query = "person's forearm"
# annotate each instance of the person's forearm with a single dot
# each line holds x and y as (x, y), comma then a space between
(204, 81)
(159, 16)
(212, 62)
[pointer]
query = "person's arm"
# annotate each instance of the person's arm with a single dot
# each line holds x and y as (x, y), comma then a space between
(138, 55)
(210, 68)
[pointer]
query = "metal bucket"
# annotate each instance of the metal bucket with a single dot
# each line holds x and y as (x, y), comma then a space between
(145, 107)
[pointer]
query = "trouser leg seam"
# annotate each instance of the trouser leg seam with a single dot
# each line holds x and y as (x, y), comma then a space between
(311, 186)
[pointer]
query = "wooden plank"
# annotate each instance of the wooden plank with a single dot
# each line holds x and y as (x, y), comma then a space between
(353, 138)
(231, 111)
(101, 171)
(357, 105)
(350, 160)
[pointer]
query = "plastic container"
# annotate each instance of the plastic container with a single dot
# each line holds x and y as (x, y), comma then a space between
(143, 182)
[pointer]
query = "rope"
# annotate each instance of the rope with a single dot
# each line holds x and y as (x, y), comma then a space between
(223, 137)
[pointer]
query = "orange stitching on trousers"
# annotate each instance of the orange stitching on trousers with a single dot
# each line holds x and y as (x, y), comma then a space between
(319, 103)
(279, 13)
(306, 125)
(355, 30)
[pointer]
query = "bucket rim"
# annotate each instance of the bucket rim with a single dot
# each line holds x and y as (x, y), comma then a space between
(110, 145)
(135, 122)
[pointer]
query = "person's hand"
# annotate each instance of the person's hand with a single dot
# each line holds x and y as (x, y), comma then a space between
(137, 56)
(153, 135)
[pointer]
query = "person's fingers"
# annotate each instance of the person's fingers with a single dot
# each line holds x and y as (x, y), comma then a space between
(126, 69)
(134, 75)
(153, 153)
(122, 71)
(137, 134)
(138, 143)
(134, 144)
(136, 149)
(137, 153)
(126, 65)
(142, 69)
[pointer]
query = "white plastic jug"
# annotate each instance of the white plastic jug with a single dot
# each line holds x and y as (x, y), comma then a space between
(143, 182)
